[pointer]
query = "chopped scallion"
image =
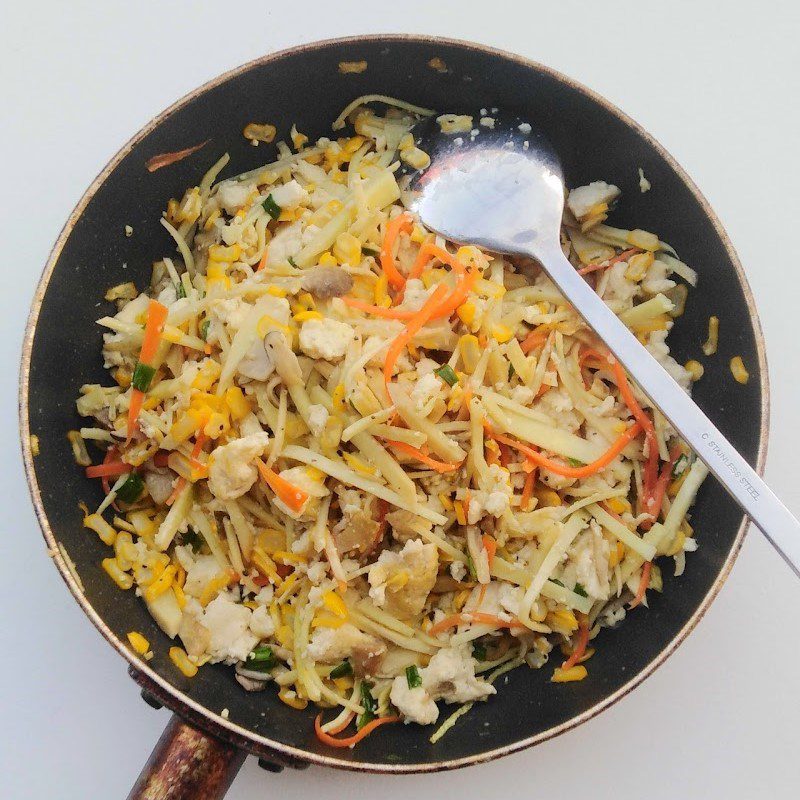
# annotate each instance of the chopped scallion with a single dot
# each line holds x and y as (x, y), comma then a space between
(447, 374)
(262, 659)
(342, 670)
(370, 706)
(680, 465)
(573, 462)
(580, 590)
(132, 489)
(180, 290)
(413, 677)
(271, 207)
(369, 251)
(142, 376)
(204, 326)
(478, 652)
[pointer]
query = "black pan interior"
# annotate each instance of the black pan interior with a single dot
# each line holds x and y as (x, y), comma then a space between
(305, 87)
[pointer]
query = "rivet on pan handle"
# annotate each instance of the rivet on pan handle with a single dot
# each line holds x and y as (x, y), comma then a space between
(187, 764)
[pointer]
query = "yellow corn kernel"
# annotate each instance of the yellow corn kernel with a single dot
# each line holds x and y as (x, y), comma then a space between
(446, 502)
(277, 291)
(180, 596)
(122, 579)
(695, 369)
(179, 658)
(237, 403)
(576, 673)
(470, 350)
(548, 498)
(218, 252)
(122, 376)
(638, 266)
(460, 599)
(327, 259)
(357, 464)
(347, 249)
(406, 142)
(184, 427)
(217, 425)
(738, 370)
(643, 239)
(207, 375)
(616, 555)
(285, 636)
(466, 313)
(619, 505)
(306, 301)
(327, 621)
(161, 583)
(418, 234)
(710, 345)
(381, 291)
(305, 316)
(268, 323)
(563, 619)
(502, 333)
(334, 603)
(213, 588)
(290, 698)
(125, 551)
(461, 517)
(298, 139)
(94, 522)
(138, 642)
(337, 399)
(215, 275)
(416, 158)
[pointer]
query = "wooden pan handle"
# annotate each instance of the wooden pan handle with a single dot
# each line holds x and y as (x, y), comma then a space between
(187, 764)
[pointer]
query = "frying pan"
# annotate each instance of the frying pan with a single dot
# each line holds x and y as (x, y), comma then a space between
(203, 747)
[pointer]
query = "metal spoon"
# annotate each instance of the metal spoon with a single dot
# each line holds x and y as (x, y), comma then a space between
(503, 190)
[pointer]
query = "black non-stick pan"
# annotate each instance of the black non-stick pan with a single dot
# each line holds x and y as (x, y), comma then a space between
(201, 750)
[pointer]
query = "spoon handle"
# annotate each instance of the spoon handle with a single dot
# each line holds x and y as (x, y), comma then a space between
(756, 499)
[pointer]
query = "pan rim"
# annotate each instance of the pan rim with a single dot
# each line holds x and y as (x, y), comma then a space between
(228, 728)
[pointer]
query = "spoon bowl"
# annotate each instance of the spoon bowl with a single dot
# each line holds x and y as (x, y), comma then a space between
(500, 186)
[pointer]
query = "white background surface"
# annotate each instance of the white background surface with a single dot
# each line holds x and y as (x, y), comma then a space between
(716, 83)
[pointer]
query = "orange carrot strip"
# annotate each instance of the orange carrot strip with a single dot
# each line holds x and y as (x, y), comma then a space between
(533, 341)
(165, 159)
(643, 583)
(626, 254)
(562, 469)
(490, 546)
(181, 482)
(156, 317)
(473, 616)
(135, 407)
(263, 261)
(289, 494)
(659, 490)
(439, 466)
(580, 646)
(394, 228)
(413, 326)
(378, 311)
(349, 741)
(108, 469)
(342, 725)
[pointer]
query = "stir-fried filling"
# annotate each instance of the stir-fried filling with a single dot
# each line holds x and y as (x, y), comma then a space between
(370, 467)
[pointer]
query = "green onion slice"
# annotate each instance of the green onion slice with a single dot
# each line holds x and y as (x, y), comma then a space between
(342, 670)
(413, 677)
(142, 376)
(271, 207)
(448, 375)
(132, 489)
